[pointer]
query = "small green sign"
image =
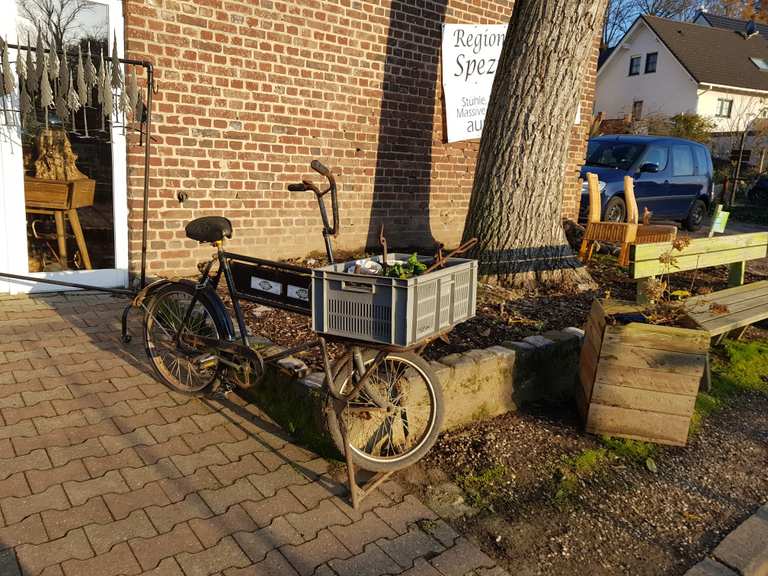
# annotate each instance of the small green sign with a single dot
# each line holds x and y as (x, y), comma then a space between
(718, 227)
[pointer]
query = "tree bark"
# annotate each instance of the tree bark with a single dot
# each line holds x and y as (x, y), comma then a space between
(515, 208)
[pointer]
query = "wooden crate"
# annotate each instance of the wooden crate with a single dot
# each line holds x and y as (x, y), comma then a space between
(58, 194)
(639, 380)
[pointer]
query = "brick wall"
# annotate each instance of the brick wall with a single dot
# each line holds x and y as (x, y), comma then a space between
(250, 91)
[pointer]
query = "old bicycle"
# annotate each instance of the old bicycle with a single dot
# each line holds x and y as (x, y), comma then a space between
(384, 404)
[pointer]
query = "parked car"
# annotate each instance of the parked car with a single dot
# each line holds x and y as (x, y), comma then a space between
(673, 177)
(758, 193)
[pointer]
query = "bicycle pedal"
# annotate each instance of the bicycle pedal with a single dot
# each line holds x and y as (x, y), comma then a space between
(293, 367)
(205, 361)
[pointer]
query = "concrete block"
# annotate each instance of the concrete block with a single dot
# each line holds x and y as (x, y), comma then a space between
(538, 341)
(746, 548)
(710, 567)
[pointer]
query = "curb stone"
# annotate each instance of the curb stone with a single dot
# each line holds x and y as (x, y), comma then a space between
(744, 552)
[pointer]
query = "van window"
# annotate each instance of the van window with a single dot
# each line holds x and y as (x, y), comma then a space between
(702, 165)
(656, 154)
(682, 160)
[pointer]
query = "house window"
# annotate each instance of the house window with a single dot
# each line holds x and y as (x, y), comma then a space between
(637, 110)
(650, 62)
(761, 63)
(724, 108)
(634, 65)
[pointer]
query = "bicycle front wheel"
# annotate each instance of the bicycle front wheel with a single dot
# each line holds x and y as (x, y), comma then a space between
(174, 318)
(396, 417)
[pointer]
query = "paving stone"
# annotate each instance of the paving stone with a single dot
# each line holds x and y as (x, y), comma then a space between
(709, 567)
(173, 447)
(94, 415)
(178, 489)
(88, 402)
(216, 436)
(411, 545)
(220, 499)
(34, 397)
(256, 544)
(166, 517)
(168, 567)
(370, 528)
(462, 558)
(104, 536)
(163, 400)
(61, 455)
(305, 558)
(174, 413)
(22, 429)
(312, 493)
(116, 562)
(151, 551)
(228, 473)
(372, 562)
(14, 415)
(15, 485)
(123, 382)
(36, 557)
(80, 390)
(746, 548)
(138, 437)
(274, 564)
(109, 398)
(283, 477)
(12, 401)
(72, 420)
(162, 469)
(35, 460)
(80, 492)
(323, 516)
(6, 449)
(16, 509)
(226, 554)
(28, 531)
(271, 460)
(39, 480)
(125, 459)
(90, 431)
(421, 568)
(409, 511)
(164, 432)
(215, 528)
(264, 511)
(121, 505)
(236, 450)
(206, 422)
(206, 457)
(129, 423)
(439, 530)
(58, 523)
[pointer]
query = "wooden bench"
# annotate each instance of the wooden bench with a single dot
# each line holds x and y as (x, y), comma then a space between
(736, 308)
(734, 251)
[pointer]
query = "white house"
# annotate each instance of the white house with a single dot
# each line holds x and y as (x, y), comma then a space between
(666, 67)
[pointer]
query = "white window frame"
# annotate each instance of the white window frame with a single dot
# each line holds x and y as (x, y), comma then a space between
(13, 238)
(719, 109)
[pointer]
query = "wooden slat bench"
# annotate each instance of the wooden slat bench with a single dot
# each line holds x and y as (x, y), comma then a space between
(722, 312)
(733, 251)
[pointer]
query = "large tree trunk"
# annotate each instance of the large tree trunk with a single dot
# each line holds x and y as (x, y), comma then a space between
(515, 208)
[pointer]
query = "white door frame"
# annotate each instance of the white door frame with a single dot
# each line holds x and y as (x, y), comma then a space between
(13, 237)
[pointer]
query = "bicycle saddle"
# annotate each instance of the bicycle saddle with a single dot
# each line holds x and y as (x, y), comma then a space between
(209, 229)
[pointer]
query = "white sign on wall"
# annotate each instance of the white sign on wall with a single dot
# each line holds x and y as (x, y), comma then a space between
(470, 59)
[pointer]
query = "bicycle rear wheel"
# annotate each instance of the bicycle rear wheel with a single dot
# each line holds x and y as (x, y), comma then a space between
(176, 357)
(395, 419)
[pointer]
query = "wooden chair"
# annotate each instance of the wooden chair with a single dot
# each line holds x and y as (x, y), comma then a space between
(623, 233)
(646, 233)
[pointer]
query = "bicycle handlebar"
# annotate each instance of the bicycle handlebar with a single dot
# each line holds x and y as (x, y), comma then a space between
(300, 187)
(320, 168)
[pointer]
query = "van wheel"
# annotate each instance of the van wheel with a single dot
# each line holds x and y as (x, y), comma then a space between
(696, 215)
(615, 210)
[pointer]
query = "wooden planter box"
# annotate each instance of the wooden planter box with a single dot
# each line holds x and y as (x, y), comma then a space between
(639, 380)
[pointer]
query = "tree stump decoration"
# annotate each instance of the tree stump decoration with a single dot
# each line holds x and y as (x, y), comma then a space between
(55, 159)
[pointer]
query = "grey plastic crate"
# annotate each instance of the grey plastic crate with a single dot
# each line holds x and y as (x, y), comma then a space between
(389, 310)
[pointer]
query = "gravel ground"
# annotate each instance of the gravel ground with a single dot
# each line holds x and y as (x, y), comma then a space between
(623, 519)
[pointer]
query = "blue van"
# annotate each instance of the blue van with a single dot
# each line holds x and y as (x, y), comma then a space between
(673, 177)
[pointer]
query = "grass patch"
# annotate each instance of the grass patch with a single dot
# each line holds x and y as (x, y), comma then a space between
(482, 488)
(569, 476)
(742, 367)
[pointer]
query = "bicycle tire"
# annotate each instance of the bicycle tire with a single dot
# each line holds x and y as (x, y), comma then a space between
(151, 346)
(380, 463)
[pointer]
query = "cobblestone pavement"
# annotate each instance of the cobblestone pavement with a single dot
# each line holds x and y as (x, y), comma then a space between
(104, 471)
